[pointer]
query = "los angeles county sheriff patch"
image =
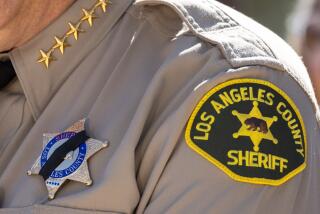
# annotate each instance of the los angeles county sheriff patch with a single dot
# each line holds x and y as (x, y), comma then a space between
(251, 130)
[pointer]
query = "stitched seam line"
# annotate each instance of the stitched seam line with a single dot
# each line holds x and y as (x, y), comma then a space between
(261, 40)
(198, 29)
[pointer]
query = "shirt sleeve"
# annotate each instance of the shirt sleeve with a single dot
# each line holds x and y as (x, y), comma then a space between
(245, 140)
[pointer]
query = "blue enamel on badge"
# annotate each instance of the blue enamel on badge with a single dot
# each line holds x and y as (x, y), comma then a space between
(74, 165)
(70, 165)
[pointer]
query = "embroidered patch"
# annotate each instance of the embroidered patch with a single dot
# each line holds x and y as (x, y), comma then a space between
(251, 130)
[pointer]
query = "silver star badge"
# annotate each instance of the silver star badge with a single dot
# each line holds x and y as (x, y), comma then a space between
(74, 165)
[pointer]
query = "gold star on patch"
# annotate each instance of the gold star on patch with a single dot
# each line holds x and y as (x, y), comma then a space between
(88, 16)
(74, 30)
(255, 126)
(73, 165)
(45, 58)
(103, 4)
(61, 44)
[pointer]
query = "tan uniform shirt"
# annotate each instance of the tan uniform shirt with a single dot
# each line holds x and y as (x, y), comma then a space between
(137, 74)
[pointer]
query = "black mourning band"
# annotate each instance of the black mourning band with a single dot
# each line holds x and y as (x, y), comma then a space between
(60, 153)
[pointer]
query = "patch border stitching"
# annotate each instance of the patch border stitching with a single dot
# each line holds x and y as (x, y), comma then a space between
(217, 163)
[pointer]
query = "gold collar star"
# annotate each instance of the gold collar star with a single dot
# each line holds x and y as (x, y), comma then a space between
(103, 4)
(46, 58)
(61, 44)
(88, 16)
(74, 30)
(74, 166)
(255, 126)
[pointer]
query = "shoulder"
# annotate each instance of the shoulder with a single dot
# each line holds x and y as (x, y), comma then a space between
(241, 40)
(246, 113)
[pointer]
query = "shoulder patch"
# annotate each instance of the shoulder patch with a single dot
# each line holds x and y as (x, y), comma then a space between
(251, 130)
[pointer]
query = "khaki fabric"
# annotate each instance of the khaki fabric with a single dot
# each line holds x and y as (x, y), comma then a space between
(136, 75)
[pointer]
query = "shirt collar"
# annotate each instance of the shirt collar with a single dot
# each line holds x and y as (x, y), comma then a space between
(40, 83)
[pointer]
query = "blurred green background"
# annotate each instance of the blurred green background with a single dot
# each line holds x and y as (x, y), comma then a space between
(271, 13)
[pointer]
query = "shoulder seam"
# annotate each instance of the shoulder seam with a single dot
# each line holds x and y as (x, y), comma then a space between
(200, 32)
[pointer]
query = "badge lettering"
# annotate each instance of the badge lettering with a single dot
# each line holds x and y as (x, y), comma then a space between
(74, 166)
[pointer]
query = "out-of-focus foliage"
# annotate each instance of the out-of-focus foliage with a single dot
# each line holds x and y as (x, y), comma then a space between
(271, 13)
